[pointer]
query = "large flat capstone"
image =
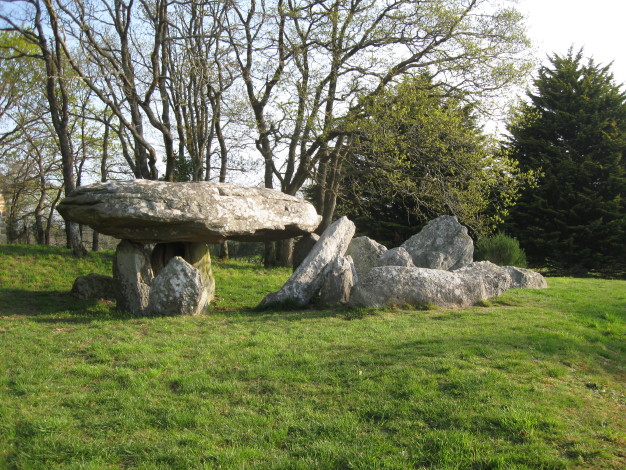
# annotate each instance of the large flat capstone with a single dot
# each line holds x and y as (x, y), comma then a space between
(147, 211)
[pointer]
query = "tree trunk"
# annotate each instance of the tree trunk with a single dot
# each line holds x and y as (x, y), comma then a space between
(327, 201)
(284, 253)
(59, 102)
(269, 257)
(224, 250)
(40, 235)
(95, 241)
(51, 213)
(74, 241)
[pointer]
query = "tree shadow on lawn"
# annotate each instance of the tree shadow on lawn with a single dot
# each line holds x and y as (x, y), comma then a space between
(54, 306)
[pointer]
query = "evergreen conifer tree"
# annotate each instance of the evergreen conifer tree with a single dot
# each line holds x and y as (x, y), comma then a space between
(572, 132)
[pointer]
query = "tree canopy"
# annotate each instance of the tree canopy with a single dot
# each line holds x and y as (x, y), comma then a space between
(418, 153)
(572, 131)
(195, 82)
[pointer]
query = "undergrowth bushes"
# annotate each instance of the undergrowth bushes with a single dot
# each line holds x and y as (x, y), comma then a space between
(500, 249)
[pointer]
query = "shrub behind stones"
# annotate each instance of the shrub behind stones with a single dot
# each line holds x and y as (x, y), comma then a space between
(500, 249)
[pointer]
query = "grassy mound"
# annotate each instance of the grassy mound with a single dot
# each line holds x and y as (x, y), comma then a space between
(533, 379)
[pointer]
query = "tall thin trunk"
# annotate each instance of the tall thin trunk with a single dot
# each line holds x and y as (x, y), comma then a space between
(40, 236)
(58, 101)
(50, 214)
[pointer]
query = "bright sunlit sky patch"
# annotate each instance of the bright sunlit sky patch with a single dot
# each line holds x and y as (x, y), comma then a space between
(598, 26)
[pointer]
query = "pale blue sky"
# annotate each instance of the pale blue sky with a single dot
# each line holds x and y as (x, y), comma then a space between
(597, 25)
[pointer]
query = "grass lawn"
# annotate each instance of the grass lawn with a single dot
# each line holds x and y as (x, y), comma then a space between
(533, 379)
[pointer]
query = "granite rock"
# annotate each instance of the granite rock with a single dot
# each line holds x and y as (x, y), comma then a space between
(306, 281)
(93, 287)
(365, 253)
(177, 290)
(148, 211)
(442, 244)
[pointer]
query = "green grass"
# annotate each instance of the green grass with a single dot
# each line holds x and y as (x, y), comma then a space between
(533, 379)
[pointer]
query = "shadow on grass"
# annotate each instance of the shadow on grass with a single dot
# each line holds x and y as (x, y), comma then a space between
(53, 306)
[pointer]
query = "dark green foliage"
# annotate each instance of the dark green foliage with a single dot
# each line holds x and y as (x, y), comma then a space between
(237, 249)
(573, 133)
(418, 153)
(501, 250)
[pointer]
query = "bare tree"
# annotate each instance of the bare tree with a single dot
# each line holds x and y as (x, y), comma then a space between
(42, 31)
(308, 65)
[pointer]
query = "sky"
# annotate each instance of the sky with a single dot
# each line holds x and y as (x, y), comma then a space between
(595, 25)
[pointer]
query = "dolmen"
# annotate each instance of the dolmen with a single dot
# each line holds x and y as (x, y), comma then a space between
(433, 268)
(163, 265)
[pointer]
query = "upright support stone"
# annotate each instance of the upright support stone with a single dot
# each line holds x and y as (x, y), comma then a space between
(178, 290)
(196, 254)
(199, 256)
(132, 274)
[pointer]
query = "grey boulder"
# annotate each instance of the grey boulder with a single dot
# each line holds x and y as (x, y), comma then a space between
(365, 253)
(156, 211)
(196, 254)
(177, 290)
(398, 285)
(492, 279)
(396, 257)
(525, 278)
(442, 244)
(306, 281)
(93, 287)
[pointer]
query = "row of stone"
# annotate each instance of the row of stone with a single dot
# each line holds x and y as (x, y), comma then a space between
(434, 267)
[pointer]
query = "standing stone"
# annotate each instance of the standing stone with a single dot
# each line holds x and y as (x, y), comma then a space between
(94, 287)
(306, 281)
(199, 256)
(396, 257)
(442, 244)
(302, 248)
(178, 290)
(132, 273)
(365, 253)
(338, 281)
(196, 254)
